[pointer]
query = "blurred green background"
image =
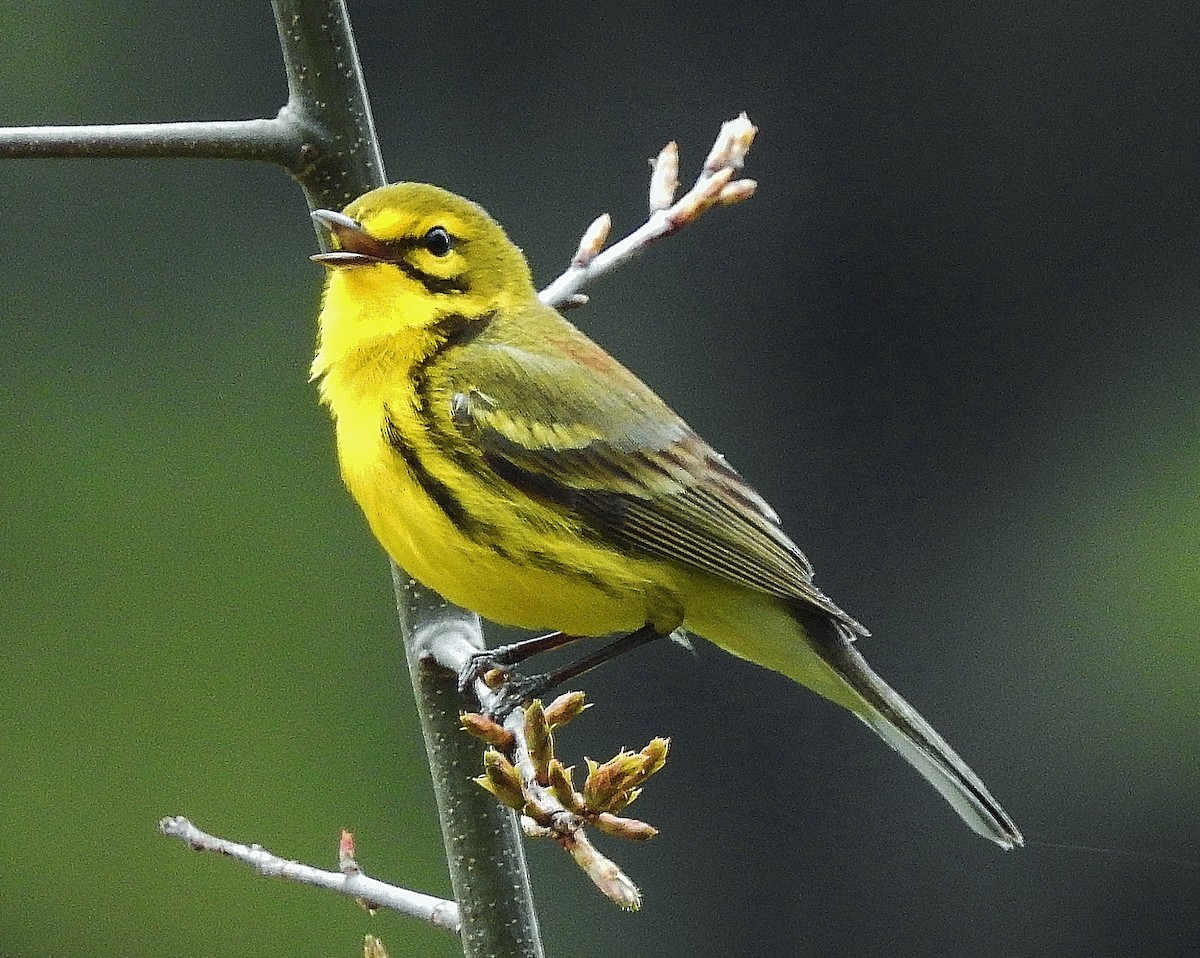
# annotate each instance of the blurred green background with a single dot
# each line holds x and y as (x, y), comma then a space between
(954, 340)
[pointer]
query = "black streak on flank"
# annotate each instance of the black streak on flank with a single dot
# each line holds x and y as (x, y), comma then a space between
(482, 533)
(536, 486)
(440, 493)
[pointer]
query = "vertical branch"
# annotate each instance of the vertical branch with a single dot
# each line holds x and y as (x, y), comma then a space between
(483, 847)
(328, 100)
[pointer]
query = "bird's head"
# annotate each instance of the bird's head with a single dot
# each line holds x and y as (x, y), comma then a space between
(408, 254)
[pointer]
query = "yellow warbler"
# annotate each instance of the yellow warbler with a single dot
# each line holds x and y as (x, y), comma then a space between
(507, 462)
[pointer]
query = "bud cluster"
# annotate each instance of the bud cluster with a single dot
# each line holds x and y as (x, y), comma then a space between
(522, 771)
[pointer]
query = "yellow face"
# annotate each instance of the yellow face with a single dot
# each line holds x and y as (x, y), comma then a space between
(428, 242)
(405, 256)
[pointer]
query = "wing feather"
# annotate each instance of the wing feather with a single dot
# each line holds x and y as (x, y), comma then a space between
(561, 421)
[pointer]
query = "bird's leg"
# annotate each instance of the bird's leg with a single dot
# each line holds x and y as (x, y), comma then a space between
(518, 690)
(505, 656)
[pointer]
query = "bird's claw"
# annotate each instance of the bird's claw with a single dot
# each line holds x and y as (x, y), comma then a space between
(516, 691)
(477, 668)
(493, 668)
(513, 690)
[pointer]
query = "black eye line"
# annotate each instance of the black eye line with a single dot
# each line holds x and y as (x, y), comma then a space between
(406, 244)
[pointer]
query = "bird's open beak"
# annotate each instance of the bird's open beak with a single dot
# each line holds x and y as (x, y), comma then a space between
(355, 246)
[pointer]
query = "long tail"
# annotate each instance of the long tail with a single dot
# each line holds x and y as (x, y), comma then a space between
(900, 725)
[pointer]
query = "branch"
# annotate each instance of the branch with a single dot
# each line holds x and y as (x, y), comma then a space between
(327, 94)
(350, 881)
(280, 141)
(715, 186)
(324, 136)
(483, 844)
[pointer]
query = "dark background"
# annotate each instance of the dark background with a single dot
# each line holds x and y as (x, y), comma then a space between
(953, 340)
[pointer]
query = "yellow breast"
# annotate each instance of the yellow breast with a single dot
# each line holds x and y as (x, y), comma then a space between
(543, 581)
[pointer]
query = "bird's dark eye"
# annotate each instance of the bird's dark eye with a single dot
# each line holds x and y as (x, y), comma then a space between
(437, 241)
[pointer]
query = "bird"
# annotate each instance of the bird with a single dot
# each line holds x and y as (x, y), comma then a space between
(509, 463)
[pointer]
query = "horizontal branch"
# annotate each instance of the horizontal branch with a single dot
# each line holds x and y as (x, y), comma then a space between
(274, 141)
(372, 892)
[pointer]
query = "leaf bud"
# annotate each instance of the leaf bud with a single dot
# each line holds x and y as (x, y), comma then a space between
(487, 730)
(567, 706)
(538, 740)
(502, 779)
(629, 828)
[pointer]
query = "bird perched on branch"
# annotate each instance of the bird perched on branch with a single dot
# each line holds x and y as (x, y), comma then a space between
(507, 462)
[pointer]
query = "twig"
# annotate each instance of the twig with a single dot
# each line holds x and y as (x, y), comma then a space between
(716, 186)
(277, 141)
(546, 815)
(350, 881)
(522, 772)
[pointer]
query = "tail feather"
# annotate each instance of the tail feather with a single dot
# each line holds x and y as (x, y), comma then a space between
(900, 725)
(811, 647)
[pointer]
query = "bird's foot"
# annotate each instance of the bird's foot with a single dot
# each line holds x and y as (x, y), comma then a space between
(483, 666)
(516, 691)
(513, 690)
(505, 656)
